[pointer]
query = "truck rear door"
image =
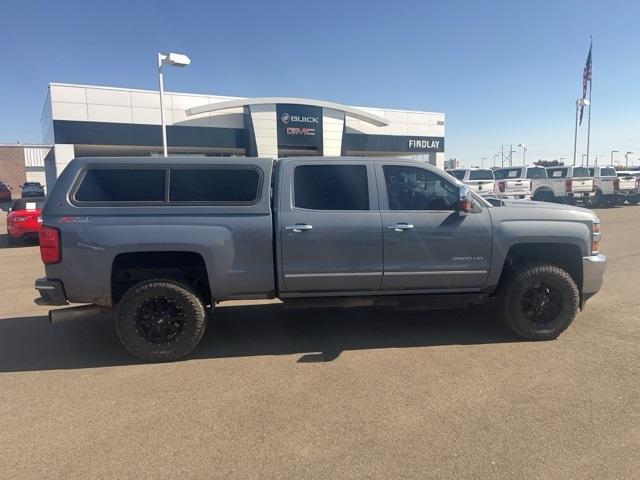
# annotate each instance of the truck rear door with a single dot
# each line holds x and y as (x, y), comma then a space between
(328, 226)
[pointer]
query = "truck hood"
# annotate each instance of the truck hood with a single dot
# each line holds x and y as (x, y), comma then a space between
(532, 210)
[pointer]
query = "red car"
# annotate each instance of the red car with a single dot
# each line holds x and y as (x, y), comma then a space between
(5, 193)
(24, 220)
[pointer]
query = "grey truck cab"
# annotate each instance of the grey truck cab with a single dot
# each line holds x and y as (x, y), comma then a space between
(162, 241)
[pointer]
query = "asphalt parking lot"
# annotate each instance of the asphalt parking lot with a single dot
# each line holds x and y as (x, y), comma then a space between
(366, 393)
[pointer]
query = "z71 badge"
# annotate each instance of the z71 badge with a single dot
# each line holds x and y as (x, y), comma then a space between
(74, 219)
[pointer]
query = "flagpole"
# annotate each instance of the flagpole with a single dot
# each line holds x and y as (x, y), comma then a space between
(590, 85)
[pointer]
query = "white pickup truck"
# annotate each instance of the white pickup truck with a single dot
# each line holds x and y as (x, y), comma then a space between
(567, 184)
(611, 190)
(521, 182)
(479, 180)
(629, 187)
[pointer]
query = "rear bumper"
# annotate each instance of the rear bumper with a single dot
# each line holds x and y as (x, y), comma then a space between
(628, 193)
(578, 195)
(593, 268)
(51, 292)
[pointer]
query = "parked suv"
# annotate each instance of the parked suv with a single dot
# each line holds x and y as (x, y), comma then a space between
(479, 180)
(32, 189)
(162, 241)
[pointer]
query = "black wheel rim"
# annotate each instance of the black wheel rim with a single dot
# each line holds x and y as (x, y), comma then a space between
(160, 320)
(541, 303)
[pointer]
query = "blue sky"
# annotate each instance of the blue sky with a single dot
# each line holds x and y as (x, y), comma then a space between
(502, 71)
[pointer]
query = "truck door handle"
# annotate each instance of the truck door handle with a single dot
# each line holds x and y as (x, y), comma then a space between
(299, 227)
(400, 227)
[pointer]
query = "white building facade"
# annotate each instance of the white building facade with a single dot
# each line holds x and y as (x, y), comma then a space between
(87, 120)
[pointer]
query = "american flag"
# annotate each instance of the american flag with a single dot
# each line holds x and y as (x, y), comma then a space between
(586, 78)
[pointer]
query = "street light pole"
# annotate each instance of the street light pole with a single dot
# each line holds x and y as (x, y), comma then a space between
(176, 60)
(612, 152)
(626, 159)
(494, 158)
(524, 153)
(482, 162)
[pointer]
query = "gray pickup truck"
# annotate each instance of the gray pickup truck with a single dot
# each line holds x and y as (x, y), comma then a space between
(163, 240)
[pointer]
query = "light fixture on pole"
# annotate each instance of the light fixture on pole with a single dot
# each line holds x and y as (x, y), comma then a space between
(175, 60)
(612, 152)
(581, 102)
(626, 158)
(524, 153)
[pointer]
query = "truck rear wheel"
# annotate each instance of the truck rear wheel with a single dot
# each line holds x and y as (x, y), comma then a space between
(539, 301)
(160, 320)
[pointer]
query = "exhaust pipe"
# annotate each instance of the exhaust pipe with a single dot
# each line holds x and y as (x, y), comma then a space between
(74, 313)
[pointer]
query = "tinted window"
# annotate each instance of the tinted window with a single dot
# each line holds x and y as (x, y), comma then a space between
(480, 175)
(229, 185)
(504, 173)
(331, 187)
(591, 172)
(122, 185)
(413, 188)
(459, 174)
(557, 173)
(536, 173)
(580, 172)
(608, 172)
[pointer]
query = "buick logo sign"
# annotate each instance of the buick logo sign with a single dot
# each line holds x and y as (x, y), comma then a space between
(286, 118)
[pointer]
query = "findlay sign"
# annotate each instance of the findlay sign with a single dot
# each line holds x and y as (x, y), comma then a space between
(299, 125)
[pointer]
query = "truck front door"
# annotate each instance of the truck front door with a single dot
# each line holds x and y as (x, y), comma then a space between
(427, 244)
(329, 227)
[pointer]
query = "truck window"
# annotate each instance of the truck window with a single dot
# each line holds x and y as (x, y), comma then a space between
(480, 175)
(557, 173)
(608, 172)
(579, 172)
(505, 173)
(331, 187)
(214, 185)
(459, 174)
(533, 173)
(108, 185)
(413, 188)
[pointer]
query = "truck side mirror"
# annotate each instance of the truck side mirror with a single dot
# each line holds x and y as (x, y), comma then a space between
(465, 205)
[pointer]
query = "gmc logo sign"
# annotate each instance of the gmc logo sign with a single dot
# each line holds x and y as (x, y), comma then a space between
(300, 131)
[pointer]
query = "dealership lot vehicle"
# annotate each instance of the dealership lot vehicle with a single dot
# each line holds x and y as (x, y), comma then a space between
(32, 189)
(206, 231)
(611, 190)
(24, 221)
(479, 180)
(5, 193)
(512, 183)
(568, 184)
(629, 187)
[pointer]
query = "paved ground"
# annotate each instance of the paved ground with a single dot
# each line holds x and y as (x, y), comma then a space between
(328, 394)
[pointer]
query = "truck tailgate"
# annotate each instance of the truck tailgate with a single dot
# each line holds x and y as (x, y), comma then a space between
(582, 185)
(481, 187)
(627, 183)
(516, 186)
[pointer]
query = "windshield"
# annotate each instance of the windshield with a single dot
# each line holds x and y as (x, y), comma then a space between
(505, 173)
(480, 175)
(459, 174)
(538, 172)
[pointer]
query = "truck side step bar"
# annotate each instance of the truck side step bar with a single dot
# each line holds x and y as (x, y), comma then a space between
(406, 302)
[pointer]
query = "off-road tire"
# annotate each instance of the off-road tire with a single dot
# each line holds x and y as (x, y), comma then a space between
(511, 296)
(193, 315)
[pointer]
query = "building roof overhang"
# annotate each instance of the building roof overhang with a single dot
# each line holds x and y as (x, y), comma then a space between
(247, 102)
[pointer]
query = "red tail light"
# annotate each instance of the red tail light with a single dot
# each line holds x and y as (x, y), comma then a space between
(50, 245)
(568, 185)
(501, 186)
(616, 184)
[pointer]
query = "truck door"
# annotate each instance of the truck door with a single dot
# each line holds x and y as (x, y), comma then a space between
(329, 227)
(427, 244)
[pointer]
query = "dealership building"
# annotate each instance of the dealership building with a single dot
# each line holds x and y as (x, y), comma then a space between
(88, 120)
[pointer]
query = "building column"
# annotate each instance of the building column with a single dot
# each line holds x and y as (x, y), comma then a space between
(332, 128)
(265, 129)
(63, 154)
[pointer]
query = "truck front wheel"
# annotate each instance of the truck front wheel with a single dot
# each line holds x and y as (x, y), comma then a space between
(539, 301)
(160, 320)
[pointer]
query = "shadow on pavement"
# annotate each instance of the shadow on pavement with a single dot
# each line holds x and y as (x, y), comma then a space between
(26, 242)
(319, 335)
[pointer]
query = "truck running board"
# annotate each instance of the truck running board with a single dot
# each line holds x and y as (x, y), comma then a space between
(409, 302)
